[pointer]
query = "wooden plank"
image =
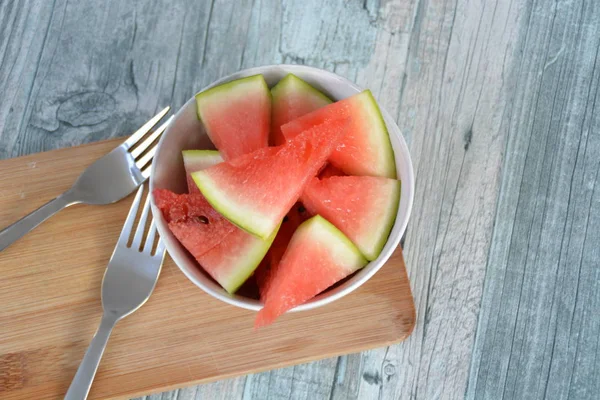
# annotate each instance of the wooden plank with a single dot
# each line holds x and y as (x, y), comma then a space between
(302, 382)
(73, 85)
(539, 324)
(450, 110)
(222, 390)
(22, 39)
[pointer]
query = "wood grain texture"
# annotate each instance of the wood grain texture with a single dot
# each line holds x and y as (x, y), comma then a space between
(539, 329)
(451, 109)
(51, 307)
(497, 100)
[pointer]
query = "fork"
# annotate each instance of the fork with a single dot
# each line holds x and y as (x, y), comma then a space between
(128, 282)
(109, 179)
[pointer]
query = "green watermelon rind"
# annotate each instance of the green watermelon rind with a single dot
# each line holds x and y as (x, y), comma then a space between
(191, 156)
(382, 136)
(389, 218)
(291, 80)
(356, 258)
(245, 218)
(250, 261)
(228, 89)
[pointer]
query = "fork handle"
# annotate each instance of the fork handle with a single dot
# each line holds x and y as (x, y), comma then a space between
(14, 232)
(82, 382)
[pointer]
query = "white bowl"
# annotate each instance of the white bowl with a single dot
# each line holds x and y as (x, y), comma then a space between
(187, 132)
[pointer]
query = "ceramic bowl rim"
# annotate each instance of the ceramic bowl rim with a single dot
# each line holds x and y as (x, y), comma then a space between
(405, 171)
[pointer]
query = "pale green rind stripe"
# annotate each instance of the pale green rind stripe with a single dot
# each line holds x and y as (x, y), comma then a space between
(233, 89)
(372, 251)
(379, 134)
(210, 157)
(239, 214)
(342, 248)
(292, 81)
(248, 262)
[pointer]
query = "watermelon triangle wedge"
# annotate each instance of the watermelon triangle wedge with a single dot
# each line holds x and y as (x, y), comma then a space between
(235, 258)
(366, 148)
(269, 264)
(362, 207)
(197, 160)
(192, 220)
(318, 256)
(237, 115)
(292, 98)
(229, 254)
(256, 191)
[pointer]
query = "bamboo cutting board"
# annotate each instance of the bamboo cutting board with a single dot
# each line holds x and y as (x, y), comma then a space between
(50, 304)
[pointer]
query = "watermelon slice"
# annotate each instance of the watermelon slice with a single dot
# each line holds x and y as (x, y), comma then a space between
(366, 148)
(292, 98)
(197, 225)
(237, 115)
(362, 207)
(290, 223)
(197, 160)
(318, 256)
(234, 259)
(255, 191)
(226, 252)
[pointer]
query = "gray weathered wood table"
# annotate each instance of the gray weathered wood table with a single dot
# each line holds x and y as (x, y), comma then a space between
(498, 101)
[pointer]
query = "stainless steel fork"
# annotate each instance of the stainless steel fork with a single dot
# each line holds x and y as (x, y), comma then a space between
(111, 178)
(128, 283)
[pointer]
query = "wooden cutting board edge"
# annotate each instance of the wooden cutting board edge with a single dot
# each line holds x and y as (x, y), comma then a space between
(300, 361)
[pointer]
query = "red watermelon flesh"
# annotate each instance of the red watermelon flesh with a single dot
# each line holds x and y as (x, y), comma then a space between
(197, 225)
(330, 170)
(237, 115)
(327, 171)
(197, 160)
(255, 191)
(233, 260)
(365, 148)
(362, 207)
(226, 252)
(290, 223)
(292, 98)
(317, 256)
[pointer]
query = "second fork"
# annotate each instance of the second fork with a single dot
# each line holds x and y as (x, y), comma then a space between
(128, 282)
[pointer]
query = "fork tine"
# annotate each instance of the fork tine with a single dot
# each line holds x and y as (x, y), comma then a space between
(135, 153)
(146, 171)
(150, 238)
(139, 233)
(142, 162)
(160, 249)
(128, 226)
(140, 133)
